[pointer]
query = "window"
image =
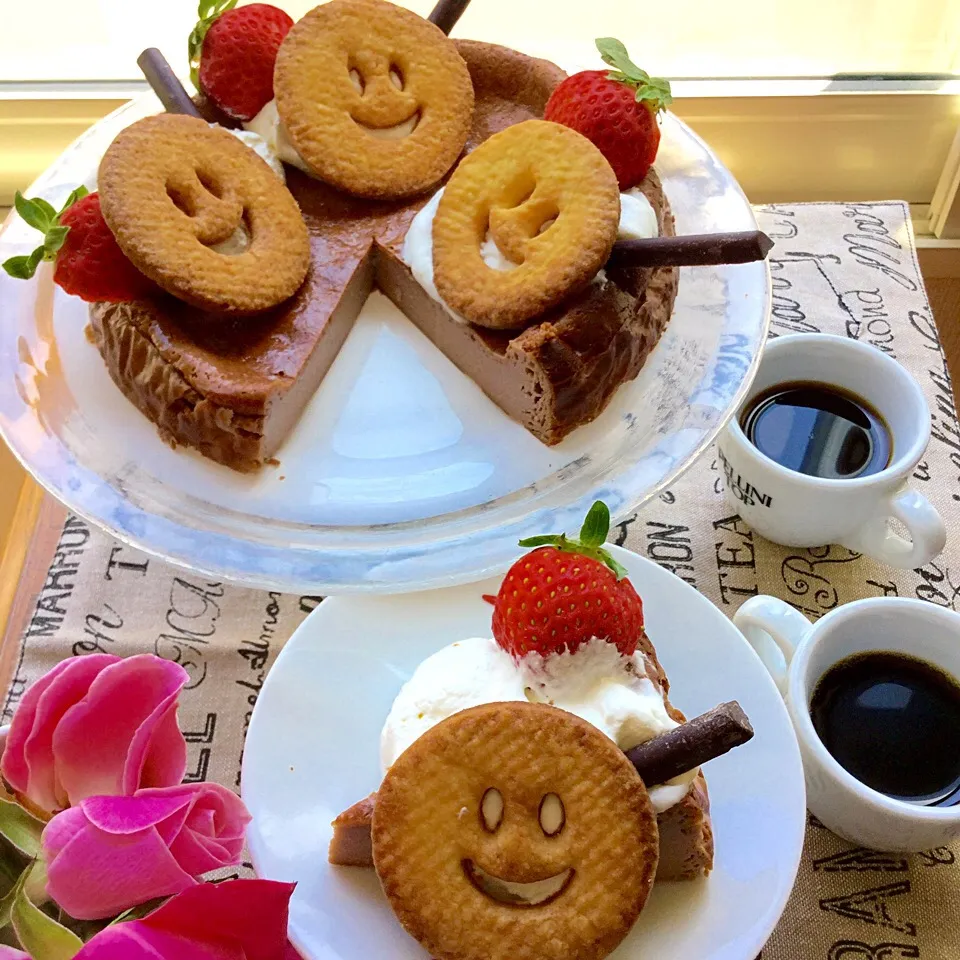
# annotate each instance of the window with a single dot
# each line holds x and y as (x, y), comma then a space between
(100, 39)
(825, 99)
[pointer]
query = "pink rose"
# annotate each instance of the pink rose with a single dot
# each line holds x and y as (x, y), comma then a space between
(235, 920)
(9, 953)
(96, 725)
(112, 853)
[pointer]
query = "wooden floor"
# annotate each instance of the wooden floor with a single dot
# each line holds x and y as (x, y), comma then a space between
(944, 296)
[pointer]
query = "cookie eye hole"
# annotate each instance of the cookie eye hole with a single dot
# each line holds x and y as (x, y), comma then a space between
(546, 225)
(356, 78)
(183, 201)
(191, 201)
(527, 194)
(396, 76)
(491, 809)
(210, 185)
(552, 815)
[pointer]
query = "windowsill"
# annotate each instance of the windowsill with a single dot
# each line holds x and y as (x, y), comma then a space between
(784, 139)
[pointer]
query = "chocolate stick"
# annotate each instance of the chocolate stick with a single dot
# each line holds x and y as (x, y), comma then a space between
(447, 12)
(692, 744)
(696, 250)
(165, 84)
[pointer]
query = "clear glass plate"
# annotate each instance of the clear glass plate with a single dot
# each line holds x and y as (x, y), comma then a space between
(401, 474)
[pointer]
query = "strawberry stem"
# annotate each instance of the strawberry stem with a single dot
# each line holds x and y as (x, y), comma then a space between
(652, 90)
(593, 534)
(39, 214)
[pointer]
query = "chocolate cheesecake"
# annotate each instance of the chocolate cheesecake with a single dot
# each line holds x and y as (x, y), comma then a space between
(234, 388)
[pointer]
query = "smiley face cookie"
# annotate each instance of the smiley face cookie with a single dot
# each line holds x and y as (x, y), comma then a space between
(376, 100)
(515, 831)
(549, 201)
(202, 215)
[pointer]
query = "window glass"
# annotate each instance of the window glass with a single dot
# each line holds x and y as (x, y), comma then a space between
(96, 40)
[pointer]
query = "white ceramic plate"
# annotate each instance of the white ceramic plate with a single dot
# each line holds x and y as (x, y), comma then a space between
(401, 474)
(313, 748)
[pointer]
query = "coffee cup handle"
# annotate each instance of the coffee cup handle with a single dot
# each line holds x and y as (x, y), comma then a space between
(774, 630)
(928, 535)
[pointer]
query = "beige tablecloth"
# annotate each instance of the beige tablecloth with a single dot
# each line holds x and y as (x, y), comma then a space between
(847, 269)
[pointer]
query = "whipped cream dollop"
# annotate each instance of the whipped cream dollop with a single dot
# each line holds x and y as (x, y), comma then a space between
(262, 149)
(597, 683)
(638, 220)
(268, 126)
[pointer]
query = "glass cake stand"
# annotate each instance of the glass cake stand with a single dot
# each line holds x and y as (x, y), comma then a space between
(401, 475)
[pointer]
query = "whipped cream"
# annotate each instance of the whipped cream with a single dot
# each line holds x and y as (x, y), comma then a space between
(260, 146)
(638, 220)
(597, 683)
(266, 124)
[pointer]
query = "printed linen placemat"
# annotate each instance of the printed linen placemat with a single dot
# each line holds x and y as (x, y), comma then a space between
(847, 269)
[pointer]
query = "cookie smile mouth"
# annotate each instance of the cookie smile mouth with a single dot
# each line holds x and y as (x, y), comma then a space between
(533, 894)
(395, 132)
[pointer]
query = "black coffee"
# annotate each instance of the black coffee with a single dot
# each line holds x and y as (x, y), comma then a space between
(818, 429)
(892, 721)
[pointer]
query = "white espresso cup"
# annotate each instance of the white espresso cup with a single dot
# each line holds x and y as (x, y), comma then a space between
(798, 653)
(799, 510)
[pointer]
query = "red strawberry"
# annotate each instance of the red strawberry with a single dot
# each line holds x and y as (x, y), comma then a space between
(567, 592)
(88, 261)
(616, 110)
(236, 48)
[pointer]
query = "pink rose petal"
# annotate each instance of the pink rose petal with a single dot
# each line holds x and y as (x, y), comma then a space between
(158, 754)
(196, 858)
(128, 702)
(133, 941)
(235, 920)
(131, 814)
(111, 853)
(96, 874)
(250, 912)
(61, 830)
(8, 953)
(170, 828)
(28, 753)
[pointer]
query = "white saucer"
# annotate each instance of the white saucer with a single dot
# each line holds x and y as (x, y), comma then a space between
(313, 748)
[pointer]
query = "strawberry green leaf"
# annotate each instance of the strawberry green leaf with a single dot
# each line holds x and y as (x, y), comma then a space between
(614, 54)
(78, 194)
(593, 533)
(596, 526)
(35, 212)
(20, 269)
(547, 539)
(654, 90)
(23, 268)
(41, 215)
(45, 206)
(618, 568)
(53, 241)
